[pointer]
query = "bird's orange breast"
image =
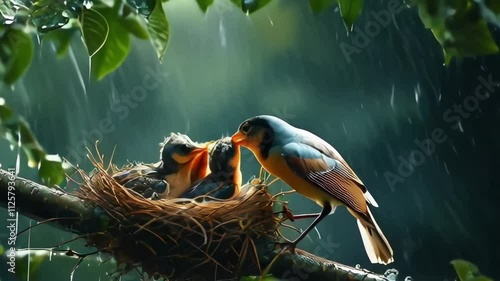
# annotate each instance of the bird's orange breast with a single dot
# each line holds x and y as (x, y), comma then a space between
(276, 164)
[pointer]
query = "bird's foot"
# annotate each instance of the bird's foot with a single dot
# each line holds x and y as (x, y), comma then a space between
(287, 246)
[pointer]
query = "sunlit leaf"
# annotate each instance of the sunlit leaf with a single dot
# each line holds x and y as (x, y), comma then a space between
(350, 10)
(320, 5)
(115, 49)
(135, 28)
(204, 4)
(464, 269)
(34, 258)
(95, 30)
(61, 38)
(16, 53)
(251, 6)
(51, 171)
(467, 271)
(159, 30)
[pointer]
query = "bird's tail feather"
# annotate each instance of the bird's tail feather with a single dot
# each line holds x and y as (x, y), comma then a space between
(376, 245)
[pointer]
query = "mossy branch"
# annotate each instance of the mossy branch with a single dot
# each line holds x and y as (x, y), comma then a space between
(84, 217)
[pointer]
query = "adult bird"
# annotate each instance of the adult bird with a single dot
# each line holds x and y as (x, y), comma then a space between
(224, 180)
(316, 170)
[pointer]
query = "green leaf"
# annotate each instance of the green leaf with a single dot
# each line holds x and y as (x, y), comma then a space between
(320, 5)
(159, 29)
(135, 28)
(470, 39)
(16, 53)
(95, 30)
(204, 4)
(251, 6)
(350, 10)
(115, 49)
(61, 39)
(35, 258)
(464, 269)
(467, 271)
(51, 170)
(5, 111)
(461, 34)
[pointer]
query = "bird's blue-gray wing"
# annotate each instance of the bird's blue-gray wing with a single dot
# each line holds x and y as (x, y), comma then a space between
(329, 174)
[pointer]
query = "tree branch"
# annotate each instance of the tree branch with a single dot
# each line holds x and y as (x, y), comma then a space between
(68, 212)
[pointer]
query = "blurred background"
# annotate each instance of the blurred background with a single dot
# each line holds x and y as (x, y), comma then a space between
(375, 102)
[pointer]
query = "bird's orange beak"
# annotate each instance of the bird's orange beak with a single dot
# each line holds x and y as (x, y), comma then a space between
(239, 138)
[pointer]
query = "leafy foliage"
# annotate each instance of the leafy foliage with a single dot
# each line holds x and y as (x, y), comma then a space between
(158, 29)
(461, 26)
(468, 271)
(16, 53)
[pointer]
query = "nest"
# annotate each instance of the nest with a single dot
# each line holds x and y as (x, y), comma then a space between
(180, 239)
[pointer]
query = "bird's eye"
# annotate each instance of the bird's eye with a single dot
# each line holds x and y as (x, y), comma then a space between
(245, 128)
(184, 149)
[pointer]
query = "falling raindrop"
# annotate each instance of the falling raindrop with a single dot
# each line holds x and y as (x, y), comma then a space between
(446, 168)
(460, 126)
(392, 97)
(418, 92)
(222, 34)
(343, 126)
(77, 68)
